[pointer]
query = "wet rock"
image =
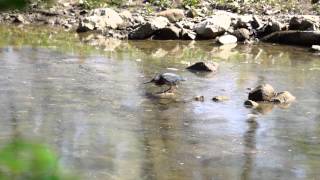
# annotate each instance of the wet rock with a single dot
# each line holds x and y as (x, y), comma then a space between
(213, 26)
(220, 98)
(302, 24)
(167, 33)
(187, 34)
(199, 98)
(204, 66)
(99, 19)
(264, 92)
(173, 15)
(284, 97)
(242, 34)
(251, 104)
(227, 39)
(301, 38)
(147, 29)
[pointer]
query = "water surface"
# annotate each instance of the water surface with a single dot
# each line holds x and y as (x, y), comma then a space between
(87, 101)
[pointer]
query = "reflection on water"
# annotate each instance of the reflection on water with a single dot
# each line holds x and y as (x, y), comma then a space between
(90, 104)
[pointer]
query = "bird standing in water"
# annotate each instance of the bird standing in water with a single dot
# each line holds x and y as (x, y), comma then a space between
(169, 79)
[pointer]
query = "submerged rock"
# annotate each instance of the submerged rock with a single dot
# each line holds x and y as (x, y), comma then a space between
(220, 98)
(204, 66)
(213, 26)
(284, 97)
(264, 92)
(227, 39)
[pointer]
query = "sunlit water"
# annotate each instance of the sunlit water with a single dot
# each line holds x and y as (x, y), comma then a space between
(92, 107)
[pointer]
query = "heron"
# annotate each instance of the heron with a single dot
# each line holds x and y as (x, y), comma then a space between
(169, 79)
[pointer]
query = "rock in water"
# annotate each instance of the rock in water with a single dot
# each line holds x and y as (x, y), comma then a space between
(264, 92)
(204, 66)
(213, 26)
(167, 33)
(220, 98)
(284, 97)
(227, 39)
(242, 34)
(149, 28)
(251, 104)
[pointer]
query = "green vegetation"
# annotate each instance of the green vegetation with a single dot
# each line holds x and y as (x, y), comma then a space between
(91, 4)
(161, 3)
(21, 159)
(191, 3)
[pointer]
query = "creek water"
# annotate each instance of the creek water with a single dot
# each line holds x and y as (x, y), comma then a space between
(86, 99)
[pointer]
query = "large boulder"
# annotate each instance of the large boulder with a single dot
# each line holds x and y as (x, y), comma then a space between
(204, 66)
(213, 26)
(167, 33)
(147, 29)
(301, 38)
(302, 24)
(284, 97)
(100, 19)
(264, 92)
(173, 15)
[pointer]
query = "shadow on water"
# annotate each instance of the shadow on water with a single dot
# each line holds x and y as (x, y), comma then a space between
(84, 96)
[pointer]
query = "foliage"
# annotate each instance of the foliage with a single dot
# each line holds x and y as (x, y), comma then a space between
(191, 3)
(21, 159)
(12, 4)
(91, 4)
(161, 3)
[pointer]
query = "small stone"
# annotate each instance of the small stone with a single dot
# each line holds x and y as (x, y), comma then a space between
(199, 98)
(227, 39)
(251, 104)
(204, 66)
(220, 98)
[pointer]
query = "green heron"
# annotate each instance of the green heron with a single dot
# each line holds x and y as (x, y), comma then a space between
(169, 79)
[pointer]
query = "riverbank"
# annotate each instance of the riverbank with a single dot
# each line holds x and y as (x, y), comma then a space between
(224, 25)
